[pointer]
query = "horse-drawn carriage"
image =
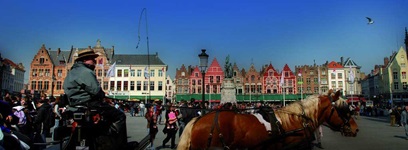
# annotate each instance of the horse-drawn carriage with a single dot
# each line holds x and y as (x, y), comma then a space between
(291, 127)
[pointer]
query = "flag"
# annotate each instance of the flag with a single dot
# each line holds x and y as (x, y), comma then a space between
(351, 76)
(111, 70)
(146, 73)
(100, 62)
(282, 80)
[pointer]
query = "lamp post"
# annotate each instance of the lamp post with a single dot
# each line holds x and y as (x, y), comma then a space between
(52, 86)
(203, 67)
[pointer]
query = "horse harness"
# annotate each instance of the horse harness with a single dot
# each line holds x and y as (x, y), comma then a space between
(216, 125)
(280, 133)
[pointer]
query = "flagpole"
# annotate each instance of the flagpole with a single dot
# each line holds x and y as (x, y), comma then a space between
(148, 47)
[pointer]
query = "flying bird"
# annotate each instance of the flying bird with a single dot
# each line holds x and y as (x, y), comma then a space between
(370, 21)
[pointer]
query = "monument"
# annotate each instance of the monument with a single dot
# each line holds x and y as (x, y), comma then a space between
(228, 86)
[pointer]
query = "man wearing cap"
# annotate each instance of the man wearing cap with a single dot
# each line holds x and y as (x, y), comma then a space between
(82, 88)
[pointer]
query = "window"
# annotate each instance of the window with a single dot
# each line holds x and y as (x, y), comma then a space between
(316, 80)
(119, 85)
(105, 85)
(139, 85)
(333, 76)
(47, 72)
(139, 73)
(199, 82)
(333, 84)
(99, 72)
(34, 72)
(41, 72)
(193, 82)
(132, 85)
(308, 81)
(252, 78)
(126, 73)
(132, 72)
(104, 72)
(211, 79)
(112, 85)
(340, 75)
(340, 84)
(160, 88)
(59, 73)
(42, 61)
(395, 75)
(396, 86)
(125, 85)
(119, 73)
(196, 74)
(151, 73)
(59, 85)
(33, 85)
(160, 73)
(404, 75)
(151, 85)
(46, 85)
(40, 86)
(218, 78)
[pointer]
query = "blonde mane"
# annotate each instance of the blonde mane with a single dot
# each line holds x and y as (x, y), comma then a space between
(308, 106)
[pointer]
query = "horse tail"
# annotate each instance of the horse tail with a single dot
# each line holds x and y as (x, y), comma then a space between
(185, 139)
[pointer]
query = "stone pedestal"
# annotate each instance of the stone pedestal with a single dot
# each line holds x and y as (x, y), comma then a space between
(228, 91)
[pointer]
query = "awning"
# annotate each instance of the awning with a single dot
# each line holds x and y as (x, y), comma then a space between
(356, 99)
(211, 101)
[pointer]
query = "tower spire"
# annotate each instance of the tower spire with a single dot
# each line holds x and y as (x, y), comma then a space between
(406, 38)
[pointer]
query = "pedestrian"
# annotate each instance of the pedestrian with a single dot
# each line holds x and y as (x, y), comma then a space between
(152, 129)
(319, 134)
(42, 127)
(171, 127)
(404, 120)
(142, 109)
(391, 111)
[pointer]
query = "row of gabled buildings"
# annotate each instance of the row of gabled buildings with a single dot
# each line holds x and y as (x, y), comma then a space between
(268, 83)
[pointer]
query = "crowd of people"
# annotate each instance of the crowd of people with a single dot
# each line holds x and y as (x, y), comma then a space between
(27, 120)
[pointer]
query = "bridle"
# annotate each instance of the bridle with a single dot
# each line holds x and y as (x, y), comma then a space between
(345, 127)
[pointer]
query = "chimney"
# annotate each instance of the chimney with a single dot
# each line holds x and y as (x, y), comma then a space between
(59, 51)
(341, 60)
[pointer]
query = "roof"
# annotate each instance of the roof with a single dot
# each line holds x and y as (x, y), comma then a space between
(132, 59)
(12, 64)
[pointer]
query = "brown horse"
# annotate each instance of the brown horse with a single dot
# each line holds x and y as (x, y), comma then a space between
(293, 129)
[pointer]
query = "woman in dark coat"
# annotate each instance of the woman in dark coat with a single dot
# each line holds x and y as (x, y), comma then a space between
(171, 127)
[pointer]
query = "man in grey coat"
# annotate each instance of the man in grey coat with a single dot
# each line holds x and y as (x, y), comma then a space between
(82, 88)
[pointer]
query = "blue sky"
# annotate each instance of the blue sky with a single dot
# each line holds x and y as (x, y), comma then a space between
(260, 32)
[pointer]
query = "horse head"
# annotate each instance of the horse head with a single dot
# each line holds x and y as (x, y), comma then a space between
(337, 114)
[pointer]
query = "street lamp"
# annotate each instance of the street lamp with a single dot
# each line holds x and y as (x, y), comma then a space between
(203, 67)
(52, 86)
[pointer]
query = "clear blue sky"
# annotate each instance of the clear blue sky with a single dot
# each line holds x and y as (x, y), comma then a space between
(262, 32)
